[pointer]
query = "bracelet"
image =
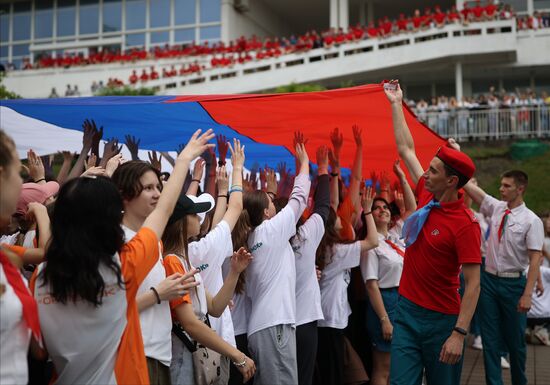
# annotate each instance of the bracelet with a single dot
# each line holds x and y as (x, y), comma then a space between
(235, 189)
(222, 196)
(156, 294)
(40, 180)
(384, 318)
(221, 163)
(460, 331)
(334, 174)
(240, 364)
(365, 214)
(195, 180)
(236, 185)
(272, 194)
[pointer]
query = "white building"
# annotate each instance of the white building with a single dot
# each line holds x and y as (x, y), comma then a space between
(455, 60)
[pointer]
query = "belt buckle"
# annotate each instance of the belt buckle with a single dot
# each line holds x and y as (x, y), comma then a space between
(515, 274)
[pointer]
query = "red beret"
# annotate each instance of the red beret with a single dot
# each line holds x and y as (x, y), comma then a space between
(457, 160)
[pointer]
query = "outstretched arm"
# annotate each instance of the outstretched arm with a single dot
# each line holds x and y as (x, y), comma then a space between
(403, 137)
(472, 189)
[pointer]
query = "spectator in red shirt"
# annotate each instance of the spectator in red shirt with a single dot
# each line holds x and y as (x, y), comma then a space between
(428, 18)
(491, 10)
(453, 16)
(478, 12)
(402, 23)
(133, 77)
(388, 27)
(372, 31)
(144, 76)
(439, 17)
(154, 74)
(417, 20)
(466, 14)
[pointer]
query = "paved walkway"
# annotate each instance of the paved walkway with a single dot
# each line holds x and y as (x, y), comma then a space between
(538, 367)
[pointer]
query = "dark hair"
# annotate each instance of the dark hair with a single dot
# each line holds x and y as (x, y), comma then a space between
(174, 238)
(239, 237)
(520, 178)
(330, 238)
(7, 146)
(449, 171)
(86, 233)
(255, 202)
(127, 177)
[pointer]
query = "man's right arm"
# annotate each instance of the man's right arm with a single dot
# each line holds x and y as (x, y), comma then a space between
(403, 137)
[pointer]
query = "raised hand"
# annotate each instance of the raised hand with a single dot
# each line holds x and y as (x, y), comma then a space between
(385, 181)
(113, 163)
(110, 149)
(240, 260)
(301, 154)
(36, 167)
(299, 138)
(282, 170)
(322, 159)
(393, 92)
(271, 181)
(399, 201)
(263, 179)
(222, 179)
(367, 199)
(333, 161)
(132, 143)
(453, 144)
(374, 178)
(96, 134)
(397, 170)
(337, 140)
(176, 286)
(155, 160)
(197, 145)
(237, 153)
(223, 146)
(357, 135)
(92, 161)
(198, 169)
(94, 171)
(34, 209)
(180, 148)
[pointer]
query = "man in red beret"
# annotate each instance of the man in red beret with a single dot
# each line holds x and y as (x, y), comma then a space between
(442, 237)
(514, 246)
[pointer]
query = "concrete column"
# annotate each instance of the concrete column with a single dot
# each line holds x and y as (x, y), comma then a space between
(459, 87)
(370, 11)
(530, 7)
(227, 9)
(344, 14)
(333, 13)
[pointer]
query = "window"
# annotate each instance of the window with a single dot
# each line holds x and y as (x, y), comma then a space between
(20, 50)
(112, 15)
(4, 51)
(160, 13)
(541, 4)
(88, 17)
(160, 37)
(135, 40)
(22, 21)
(135, 14)
(186, 35)
(66, 17)
(4, 23)
(210, 11)
(210, 33)
(518, 5)
(43, 19)
(184, 11)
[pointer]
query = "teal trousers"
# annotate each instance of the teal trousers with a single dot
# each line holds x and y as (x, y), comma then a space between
(418, 336)
(502, 327)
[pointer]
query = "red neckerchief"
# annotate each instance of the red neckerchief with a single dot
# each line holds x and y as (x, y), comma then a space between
(396, 248)
(30, 309)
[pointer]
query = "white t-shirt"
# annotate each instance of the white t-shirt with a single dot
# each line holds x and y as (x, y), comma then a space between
(540, 306)
(14, 336)
(383, 263)
(334, 283)
(523, 231)
(308, 294)
(198, 293)
(240, 312)
(546, 247)
(271, 277)
(214, 249)
(156, 321)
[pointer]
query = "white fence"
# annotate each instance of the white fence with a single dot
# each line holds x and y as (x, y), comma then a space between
(490, 123)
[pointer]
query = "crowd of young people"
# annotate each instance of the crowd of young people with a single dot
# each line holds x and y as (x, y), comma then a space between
(131, 269)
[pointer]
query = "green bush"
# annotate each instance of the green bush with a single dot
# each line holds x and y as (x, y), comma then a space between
(126, 91)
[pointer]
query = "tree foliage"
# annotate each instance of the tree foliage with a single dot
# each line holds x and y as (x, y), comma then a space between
(126, 91)
(4, 92)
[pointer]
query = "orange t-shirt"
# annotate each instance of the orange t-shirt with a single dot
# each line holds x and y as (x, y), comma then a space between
(172, 265)
(345, 212)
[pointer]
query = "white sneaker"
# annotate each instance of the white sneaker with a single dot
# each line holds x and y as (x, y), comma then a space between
(477, 343)
(542, 334)
(504, 364)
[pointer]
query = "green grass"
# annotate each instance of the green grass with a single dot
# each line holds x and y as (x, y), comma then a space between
(492, 161)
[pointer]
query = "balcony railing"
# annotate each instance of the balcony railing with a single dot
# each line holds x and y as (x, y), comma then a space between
(490, 123)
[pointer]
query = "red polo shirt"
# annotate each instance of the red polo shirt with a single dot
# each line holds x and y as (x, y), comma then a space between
(450, 237)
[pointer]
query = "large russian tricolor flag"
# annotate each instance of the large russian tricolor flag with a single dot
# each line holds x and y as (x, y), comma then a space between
(264, 122)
